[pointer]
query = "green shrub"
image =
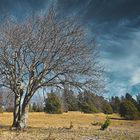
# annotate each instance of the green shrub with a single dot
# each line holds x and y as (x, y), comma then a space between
(105, 124)
(88, 107)
(129, 111)
(53, 104)
(107, 109)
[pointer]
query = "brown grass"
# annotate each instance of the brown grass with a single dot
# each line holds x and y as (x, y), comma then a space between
(70, 126)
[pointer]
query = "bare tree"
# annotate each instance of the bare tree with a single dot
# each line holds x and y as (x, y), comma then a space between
(45, 51)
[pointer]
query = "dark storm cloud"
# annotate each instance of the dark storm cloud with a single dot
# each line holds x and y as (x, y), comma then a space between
(13, 5)
(114, 10)
(113, 18)
(110, 10)
(113, 21)
(89, 10)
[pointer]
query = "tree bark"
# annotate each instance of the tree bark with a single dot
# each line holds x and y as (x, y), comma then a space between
(23, 117)
(16, 112)
(20, 115)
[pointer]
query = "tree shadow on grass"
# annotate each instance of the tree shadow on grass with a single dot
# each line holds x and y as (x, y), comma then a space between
(117, 118)
(5, 127)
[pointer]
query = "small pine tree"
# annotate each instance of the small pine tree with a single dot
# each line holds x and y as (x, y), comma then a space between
(88, 107)
(129, 111)
(53, 104)
(86, 103)
(107, 109)
(105, 124)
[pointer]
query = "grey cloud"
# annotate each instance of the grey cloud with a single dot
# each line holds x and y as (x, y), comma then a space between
(12, 5)
(103, 9)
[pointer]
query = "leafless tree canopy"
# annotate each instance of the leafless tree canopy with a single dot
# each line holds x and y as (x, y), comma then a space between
(46, 51)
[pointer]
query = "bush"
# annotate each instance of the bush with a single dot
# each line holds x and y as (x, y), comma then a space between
(88, 107)
(107, 109)
(129, 111)
(105, 124)
(53, 104)
(86, 103)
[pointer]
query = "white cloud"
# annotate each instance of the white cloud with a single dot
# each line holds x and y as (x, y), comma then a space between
(123, 70)
(135, 77)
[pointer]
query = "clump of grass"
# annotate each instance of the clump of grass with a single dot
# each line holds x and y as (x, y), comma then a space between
(106, 124)
(96, 123)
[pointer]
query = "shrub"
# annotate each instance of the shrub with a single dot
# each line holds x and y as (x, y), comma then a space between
(88, 107)
(107, 109)
(86, 103)
(105, 124)
(53, 104)
(129, 111)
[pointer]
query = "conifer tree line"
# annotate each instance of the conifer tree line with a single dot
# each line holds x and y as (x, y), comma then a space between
(126, 106)
(86, 102)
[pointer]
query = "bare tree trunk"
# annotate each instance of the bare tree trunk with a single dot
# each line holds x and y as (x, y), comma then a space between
(16, 112)
(23, 117)
(20, 114)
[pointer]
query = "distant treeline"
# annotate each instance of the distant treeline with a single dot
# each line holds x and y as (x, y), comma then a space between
(87, 102)
(126, 106)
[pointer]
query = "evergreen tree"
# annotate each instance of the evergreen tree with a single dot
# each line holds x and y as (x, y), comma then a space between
(69, 101)
(85, 102)
(53, 104)
(129, 111)
(131, 99)
(115, 104)
(138, 102)
(107, 109)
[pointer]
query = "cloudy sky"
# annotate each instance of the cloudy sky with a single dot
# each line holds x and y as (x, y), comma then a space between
(116, 25)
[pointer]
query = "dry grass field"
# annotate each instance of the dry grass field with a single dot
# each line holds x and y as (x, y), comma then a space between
(58, 127)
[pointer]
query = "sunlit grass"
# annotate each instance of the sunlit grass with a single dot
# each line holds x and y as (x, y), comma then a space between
(44, 126)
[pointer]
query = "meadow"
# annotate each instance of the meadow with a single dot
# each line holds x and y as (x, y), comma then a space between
(70, 126)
